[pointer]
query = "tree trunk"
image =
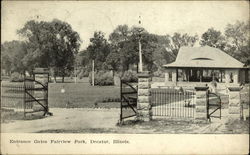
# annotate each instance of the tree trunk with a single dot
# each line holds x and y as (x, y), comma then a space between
(63, 79)
(55, 78)
(93, 73)
(63, 74)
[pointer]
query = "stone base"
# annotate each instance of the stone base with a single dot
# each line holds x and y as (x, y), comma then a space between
(144, 115)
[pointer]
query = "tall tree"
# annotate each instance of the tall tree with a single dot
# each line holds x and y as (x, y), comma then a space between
(98, 49)
(238, 41)
(213, 38)
(125, 41)
(161, 55)
(13, 56)
(51, 44)
(178, 40)
(121, 33)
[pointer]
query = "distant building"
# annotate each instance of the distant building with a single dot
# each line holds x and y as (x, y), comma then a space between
(203, 65)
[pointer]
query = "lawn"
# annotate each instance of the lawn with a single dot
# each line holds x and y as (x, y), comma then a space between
(82, 95)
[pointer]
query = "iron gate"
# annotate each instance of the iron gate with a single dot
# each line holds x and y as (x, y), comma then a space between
(172, 102)
(37, 96)
(213, 106)
(128, 100)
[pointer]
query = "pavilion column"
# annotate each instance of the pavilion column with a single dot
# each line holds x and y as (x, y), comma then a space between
(227, 76)
(188, 72)
(174, 76)
(236, 76)
(167, 76)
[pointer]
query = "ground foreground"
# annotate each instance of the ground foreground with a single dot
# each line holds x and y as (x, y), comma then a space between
(85, 120)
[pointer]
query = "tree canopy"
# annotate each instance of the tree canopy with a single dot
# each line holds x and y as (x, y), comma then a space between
(54, 44)
(51, 44)
(213, 38)
(238, 41)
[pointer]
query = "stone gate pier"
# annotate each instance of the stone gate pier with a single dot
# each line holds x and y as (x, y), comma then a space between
(201, 112)
(234, 105)
(144, 108)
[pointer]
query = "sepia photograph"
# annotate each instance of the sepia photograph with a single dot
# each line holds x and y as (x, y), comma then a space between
(124, 68)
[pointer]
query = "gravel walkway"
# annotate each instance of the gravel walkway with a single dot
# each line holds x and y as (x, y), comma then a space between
(66, 119)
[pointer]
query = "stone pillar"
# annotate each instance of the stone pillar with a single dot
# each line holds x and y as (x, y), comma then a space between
(201, 103)
(234, 106)
(174, 76)
(167, 77)
(236, 76)
(227, 76)
(143, 101)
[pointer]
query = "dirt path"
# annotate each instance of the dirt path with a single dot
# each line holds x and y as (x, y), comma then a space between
(66, 119)
(84, 120)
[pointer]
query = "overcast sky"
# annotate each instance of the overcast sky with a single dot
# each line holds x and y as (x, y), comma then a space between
(193, 17)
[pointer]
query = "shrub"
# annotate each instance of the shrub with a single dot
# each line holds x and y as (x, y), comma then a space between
(83, 73)
(130, 76)
(158, 73)
(16, 77)
(110, 99)
(102, 78)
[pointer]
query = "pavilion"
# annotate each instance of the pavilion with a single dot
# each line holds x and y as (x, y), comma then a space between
(203, 65)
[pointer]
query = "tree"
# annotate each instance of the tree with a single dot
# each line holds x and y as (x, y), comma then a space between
(161, 56)
(98, 49)
(112, 61)
(51, 44)
(13, 57)
(121, 33)
(213, 38)
(178, 40)
(125, 43)
(238, 41)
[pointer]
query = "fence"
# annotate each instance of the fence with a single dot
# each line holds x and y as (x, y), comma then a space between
(173, 102)
(12, 95)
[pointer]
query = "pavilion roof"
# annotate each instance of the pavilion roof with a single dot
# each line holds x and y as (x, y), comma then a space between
(205, 57)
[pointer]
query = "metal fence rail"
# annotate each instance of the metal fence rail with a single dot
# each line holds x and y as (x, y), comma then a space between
(12, 95)
(173, 102)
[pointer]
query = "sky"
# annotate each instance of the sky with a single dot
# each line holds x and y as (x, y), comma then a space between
(158, 17)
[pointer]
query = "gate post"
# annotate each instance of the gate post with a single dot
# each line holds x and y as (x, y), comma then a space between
(234, 106)
(201, 104)
(143, 101)
(41, 75)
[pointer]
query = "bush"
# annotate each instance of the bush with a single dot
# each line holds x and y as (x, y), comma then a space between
(16, 77)
(102, 78)
(83, 73)
(158, 73)
(130, 76)
(110, 99)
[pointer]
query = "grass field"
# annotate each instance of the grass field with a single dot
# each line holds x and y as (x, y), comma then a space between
(82, 95)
